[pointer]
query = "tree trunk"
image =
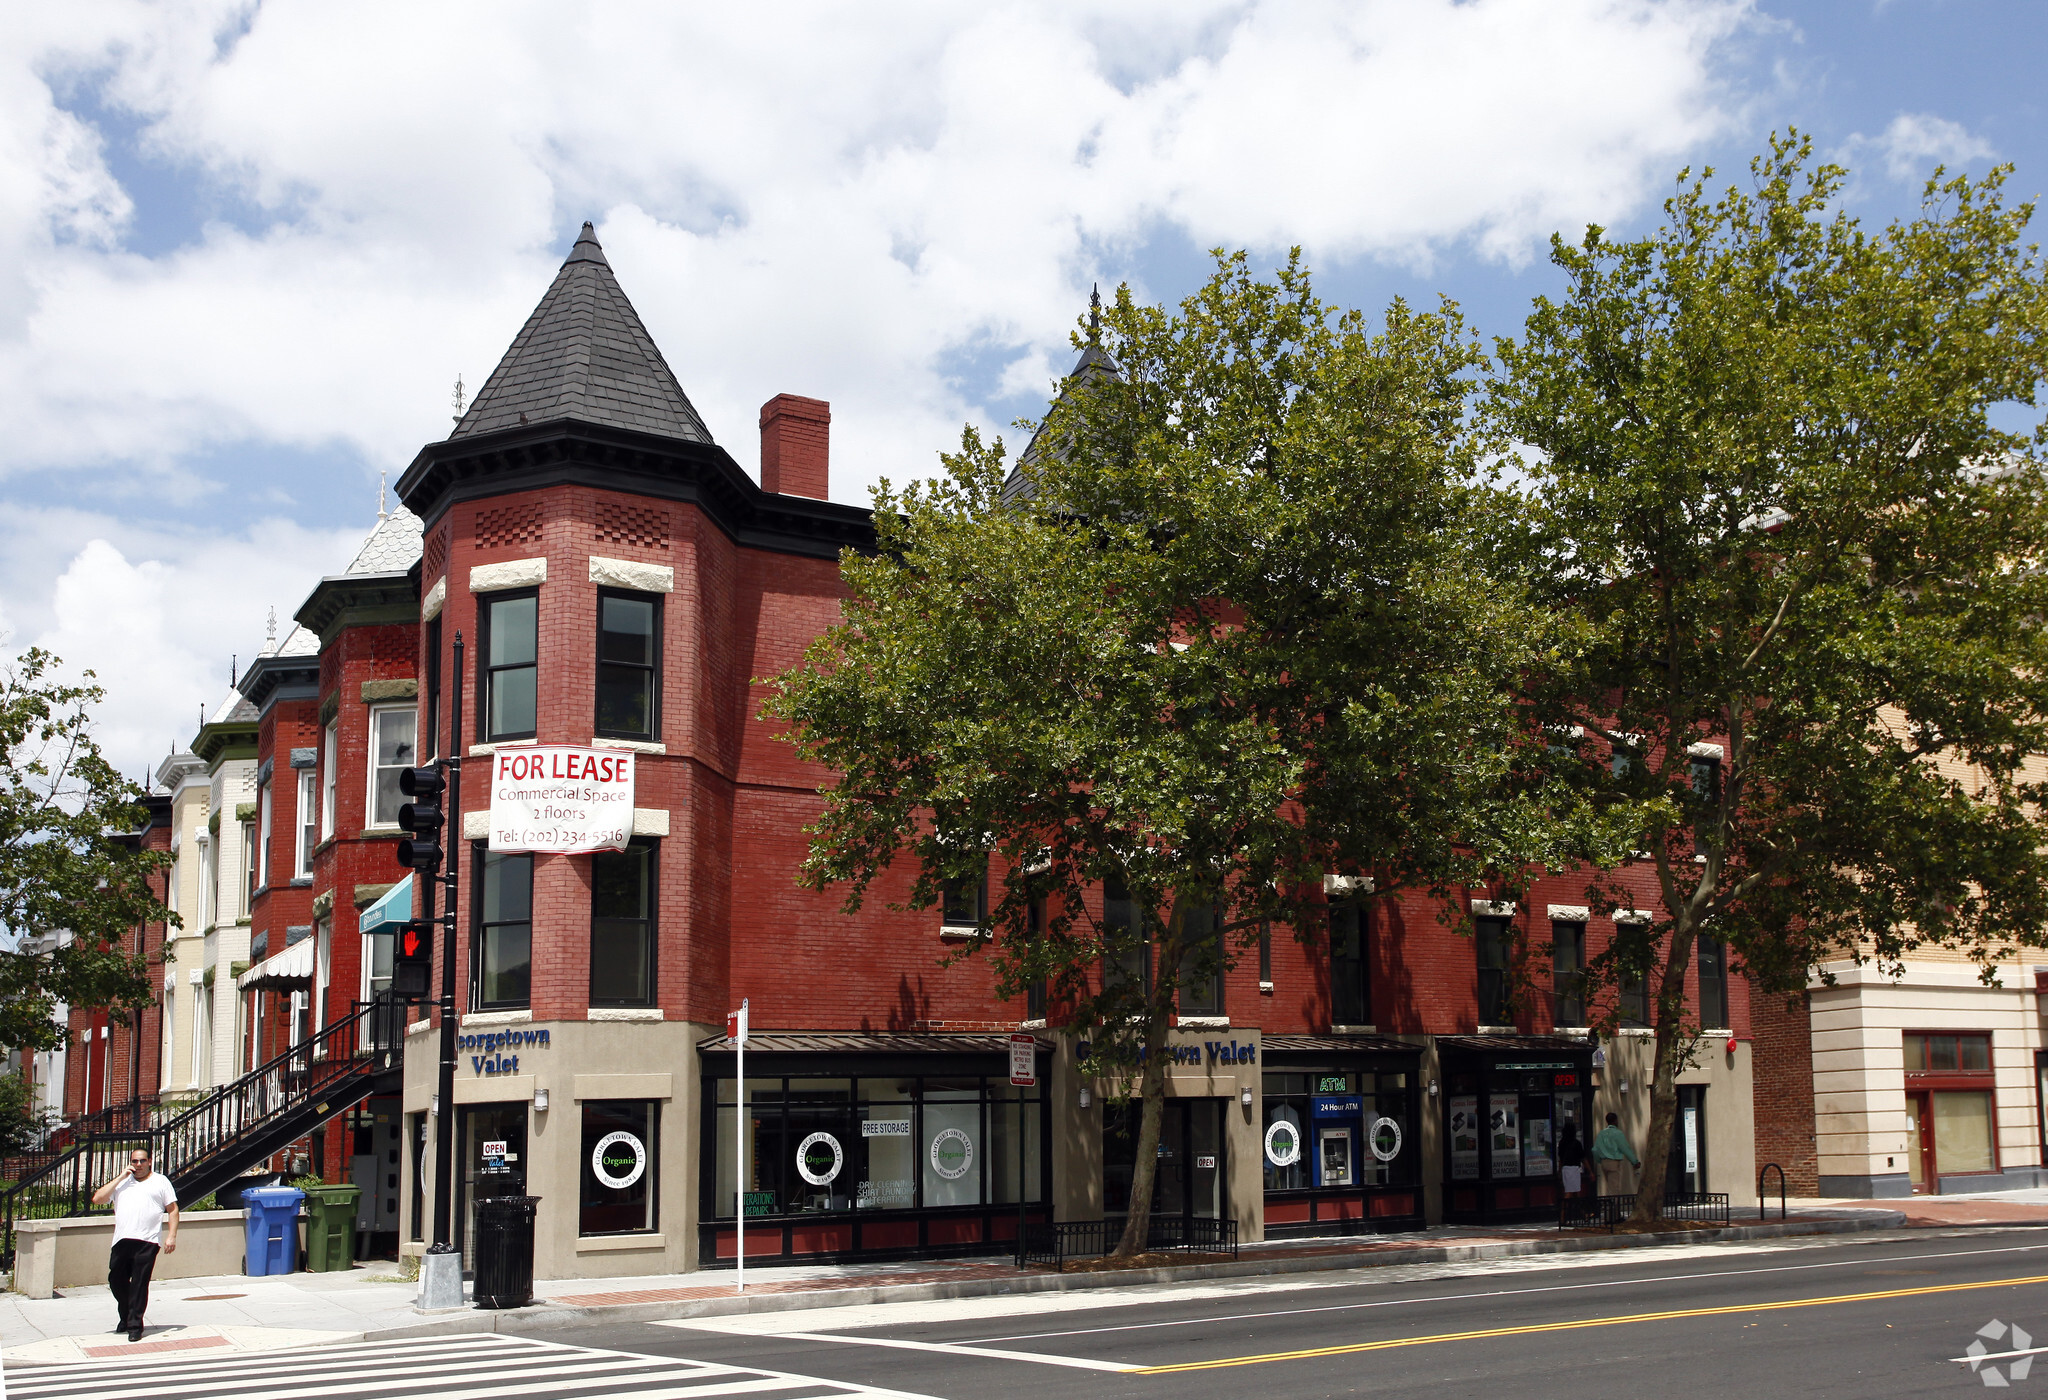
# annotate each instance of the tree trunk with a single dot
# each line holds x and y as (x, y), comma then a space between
(1152, 1115)
(1656, 1151)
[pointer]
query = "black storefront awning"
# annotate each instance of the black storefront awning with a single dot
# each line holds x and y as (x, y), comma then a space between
(1325, 1045)
(1497, 1045)
(863, 1043)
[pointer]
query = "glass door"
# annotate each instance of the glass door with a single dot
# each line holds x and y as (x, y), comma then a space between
(1919, 1144)
(493, 1137)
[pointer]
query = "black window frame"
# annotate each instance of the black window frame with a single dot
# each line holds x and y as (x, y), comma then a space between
(1568, 972)
(1034, 991)
(1212, 1003)
(953, 911)
(652, 733)
(649, 851)
(1359, 981)
(431, 720)
(1713, 974)
(480, 930)
(1120, 911)
(487, 606)
(648, 1187)
(1495, 933)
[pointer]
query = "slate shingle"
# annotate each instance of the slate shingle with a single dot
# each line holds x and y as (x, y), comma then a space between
(583, 354)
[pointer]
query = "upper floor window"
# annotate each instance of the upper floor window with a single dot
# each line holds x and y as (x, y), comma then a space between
(1350, 966)
(1200, 990)
(964, 903)
(1713, 984)
(503, 953)
(308, 825)
(628, 664)
(1947, 1054)
(246, 885)
(391, 753)
(1127, 949)
(1568, 973)
(622, 927)
(511, 645)
(1493, 940)
(264, 818)
(430, 742)
(330, 763)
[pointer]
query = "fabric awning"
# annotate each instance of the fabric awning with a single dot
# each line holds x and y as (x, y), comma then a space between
(285, 970)
(392, 908)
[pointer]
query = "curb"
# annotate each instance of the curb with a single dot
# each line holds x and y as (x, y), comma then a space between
(543, 1317)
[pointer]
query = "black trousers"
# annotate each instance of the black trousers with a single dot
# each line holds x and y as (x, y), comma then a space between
(128, 1271)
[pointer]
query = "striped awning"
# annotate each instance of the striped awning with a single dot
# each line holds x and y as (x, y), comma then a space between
(285, 970)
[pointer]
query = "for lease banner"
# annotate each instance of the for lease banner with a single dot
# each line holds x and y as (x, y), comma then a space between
(556, 797)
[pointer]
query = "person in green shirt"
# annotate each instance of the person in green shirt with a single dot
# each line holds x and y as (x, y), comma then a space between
(1610, 1150)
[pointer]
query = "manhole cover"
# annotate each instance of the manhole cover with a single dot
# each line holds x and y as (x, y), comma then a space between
(214, 1297)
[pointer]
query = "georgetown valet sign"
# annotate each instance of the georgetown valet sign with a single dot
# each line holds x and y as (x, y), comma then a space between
(562, 799)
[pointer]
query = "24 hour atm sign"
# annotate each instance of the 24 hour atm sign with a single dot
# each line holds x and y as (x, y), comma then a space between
(554, 797)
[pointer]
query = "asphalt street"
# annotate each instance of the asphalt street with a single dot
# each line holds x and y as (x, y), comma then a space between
(1813, 1317)
(1858, 1318)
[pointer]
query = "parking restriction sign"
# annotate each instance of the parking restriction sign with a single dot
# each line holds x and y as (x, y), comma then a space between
(1024, 1061)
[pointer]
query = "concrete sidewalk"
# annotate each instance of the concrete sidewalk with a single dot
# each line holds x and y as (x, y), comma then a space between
(237, 1313)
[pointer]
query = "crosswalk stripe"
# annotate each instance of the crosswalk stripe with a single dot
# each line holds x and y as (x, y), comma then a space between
(485, 1345)
(300, 1375)
(421, 1369)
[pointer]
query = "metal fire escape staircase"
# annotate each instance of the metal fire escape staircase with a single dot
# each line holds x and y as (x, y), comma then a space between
(207, 1143)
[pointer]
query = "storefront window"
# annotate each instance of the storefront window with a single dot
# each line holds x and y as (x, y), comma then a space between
(1962, 1132)
(619, 1167)
(1338, 1128)
(818, 1145)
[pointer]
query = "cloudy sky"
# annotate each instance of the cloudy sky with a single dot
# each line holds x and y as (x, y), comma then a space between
(246, 250)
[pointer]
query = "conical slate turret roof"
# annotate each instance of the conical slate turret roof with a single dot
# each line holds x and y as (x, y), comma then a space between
(1094, 361)
(583, 354)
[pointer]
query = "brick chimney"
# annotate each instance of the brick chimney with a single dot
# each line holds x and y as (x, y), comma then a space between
(795, 446)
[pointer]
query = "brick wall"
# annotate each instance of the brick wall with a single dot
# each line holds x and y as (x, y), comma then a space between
(1783, 1061)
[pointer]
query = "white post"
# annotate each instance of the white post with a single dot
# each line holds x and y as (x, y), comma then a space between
(739, 1178)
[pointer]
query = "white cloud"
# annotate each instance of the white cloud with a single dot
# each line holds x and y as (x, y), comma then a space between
(831, 206)
(850, 202)
(1916, 142)
(157, 616)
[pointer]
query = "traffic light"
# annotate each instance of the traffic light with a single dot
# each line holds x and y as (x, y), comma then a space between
(412, 959)
(422, 817)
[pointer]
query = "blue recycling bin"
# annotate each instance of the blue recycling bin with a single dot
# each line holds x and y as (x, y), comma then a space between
(270, 1230)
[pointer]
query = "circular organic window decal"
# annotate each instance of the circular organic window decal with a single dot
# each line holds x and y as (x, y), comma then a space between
(1283, 1144)
(1384, 1139)
(819, 1158)
(619, 1159)
(952, 1153)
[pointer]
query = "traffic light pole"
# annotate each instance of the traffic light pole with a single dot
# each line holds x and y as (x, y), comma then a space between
(441, 1270)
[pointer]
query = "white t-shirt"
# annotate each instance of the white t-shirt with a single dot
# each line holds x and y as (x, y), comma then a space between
(139, 1208)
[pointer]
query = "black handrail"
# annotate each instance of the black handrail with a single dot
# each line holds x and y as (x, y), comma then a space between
(338, 1055)
(1768, 1168)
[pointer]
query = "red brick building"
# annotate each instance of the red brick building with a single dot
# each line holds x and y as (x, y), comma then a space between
(110, 1063)
(618, 582)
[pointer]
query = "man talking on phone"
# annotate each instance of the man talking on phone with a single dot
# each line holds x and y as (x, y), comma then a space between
(145, 1220)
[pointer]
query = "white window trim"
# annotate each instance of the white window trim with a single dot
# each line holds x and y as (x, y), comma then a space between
(265, 817)
(302, 849)
(370, 765)
(330, 755)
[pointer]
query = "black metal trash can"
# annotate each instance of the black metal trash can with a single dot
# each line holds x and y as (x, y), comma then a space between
(504, 1251)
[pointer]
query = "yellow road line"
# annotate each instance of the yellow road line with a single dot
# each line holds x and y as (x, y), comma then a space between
(1355, 1347)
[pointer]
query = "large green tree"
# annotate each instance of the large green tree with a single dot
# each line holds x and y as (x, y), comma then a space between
(1770, 483)
(1226, 632)
(63, 864)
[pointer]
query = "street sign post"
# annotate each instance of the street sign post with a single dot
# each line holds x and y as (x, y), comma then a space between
(1023, 1075)
(736, 1032)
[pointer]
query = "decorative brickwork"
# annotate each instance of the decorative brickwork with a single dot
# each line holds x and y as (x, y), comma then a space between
(434, 554)
(507, 526)
(618, 523)
(1783, 1063)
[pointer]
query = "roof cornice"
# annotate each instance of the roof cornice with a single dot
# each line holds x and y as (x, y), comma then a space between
(221, 740)
(358, 600)
(569, 452)
(270, 678)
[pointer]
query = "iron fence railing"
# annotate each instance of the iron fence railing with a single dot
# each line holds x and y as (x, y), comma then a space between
(1055, 1242)
(184, 1136)
(1610, 1213)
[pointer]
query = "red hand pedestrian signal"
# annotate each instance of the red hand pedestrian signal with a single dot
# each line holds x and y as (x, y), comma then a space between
(415, 956)
(412, 943)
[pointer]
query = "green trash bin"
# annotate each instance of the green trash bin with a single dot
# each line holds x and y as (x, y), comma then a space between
(331, 1228)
